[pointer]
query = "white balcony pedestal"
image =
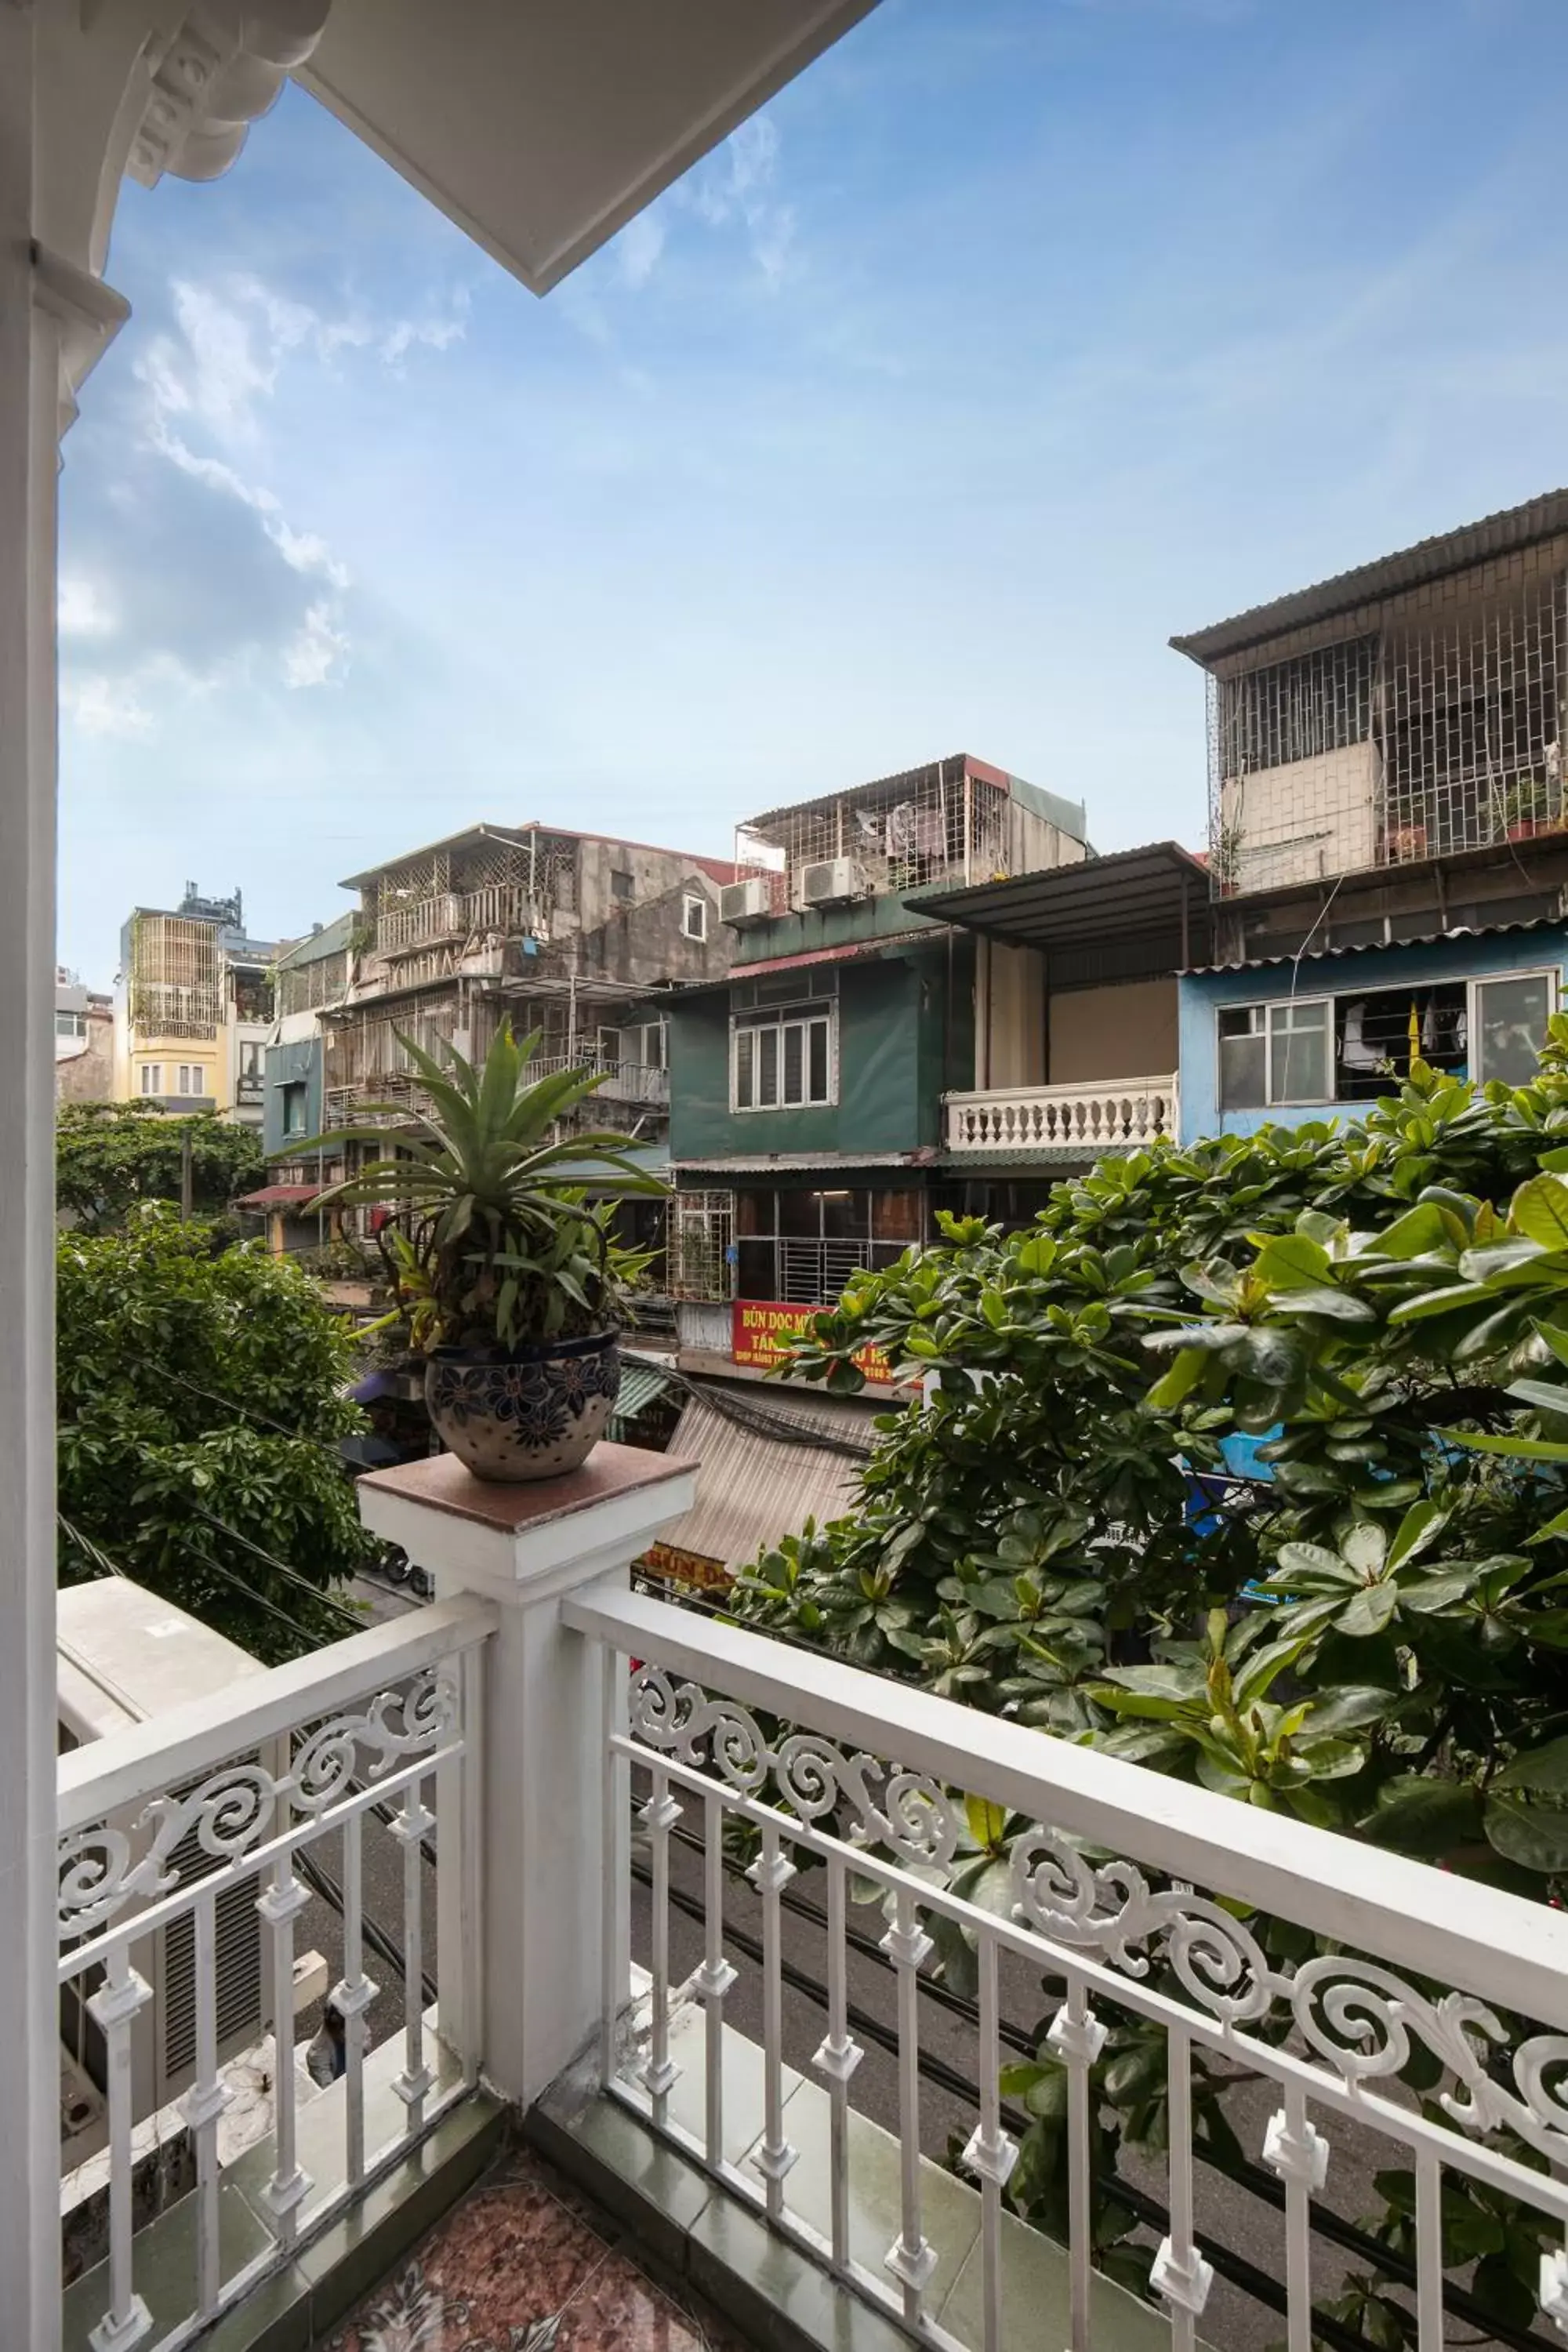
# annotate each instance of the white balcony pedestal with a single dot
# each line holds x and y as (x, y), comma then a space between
(522, 1964)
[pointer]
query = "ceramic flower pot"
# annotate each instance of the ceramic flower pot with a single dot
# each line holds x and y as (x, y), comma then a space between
(513, 1413)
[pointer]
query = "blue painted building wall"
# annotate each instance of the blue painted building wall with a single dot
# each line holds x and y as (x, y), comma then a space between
(298, 1064)
(1200, 998)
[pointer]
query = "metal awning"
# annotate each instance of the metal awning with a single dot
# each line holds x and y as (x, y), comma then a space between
(280, 1196)
(751, 1487)
(1097, 900)
(642, 1384)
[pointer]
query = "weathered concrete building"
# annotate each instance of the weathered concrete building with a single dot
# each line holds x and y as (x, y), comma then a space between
(84, 1041)
(565, 933)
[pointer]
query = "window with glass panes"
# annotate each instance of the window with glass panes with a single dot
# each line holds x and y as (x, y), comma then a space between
(1351, 1047)
(783, 1041)
(800, 1244)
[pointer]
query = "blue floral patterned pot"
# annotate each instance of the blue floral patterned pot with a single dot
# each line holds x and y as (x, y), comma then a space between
(511, 1413)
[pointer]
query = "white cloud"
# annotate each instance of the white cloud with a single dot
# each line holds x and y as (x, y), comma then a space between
(639, 247)
(737, 188)
(84, 609)
(105, 706)
(310, 658)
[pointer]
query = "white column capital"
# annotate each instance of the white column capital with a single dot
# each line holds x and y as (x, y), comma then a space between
(528, 1543)
(87, 314)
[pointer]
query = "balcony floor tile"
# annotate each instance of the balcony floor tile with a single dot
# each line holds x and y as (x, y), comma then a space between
(525, 2263)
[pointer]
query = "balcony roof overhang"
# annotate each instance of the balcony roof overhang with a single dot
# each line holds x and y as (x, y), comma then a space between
(1390, 576)
(541, 131)
(1136, 901)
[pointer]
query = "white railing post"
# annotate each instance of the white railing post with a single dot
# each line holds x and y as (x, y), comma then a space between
(542, 1980)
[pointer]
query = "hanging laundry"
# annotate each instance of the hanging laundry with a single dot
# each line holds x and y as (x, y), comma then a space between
(902, 827)
(1355, 1053)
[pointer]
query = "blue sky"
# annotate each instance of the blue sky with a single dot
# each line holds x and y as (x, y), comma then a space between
(1015, 336)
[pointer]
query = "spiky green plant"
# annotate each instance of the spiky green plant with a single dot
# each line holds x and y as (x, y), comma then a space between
(488, 1244)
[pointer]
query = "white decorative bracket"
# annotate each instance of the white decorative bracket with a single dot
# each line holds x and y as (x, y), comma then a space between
(990, 2158)
(837, 2060)
(1184, 2281)
(1078, 2041)
(914, 2270)
(1302, 2157)
(907, 1947)
(220, 70)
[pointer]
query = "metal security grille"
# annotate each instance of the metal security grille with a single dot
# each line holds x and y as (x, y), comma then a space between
(937, 823)
(176, 978)
(1298, 709)
(1459, 709)
(812, 1273)
(701, 1229)
(306, 987)
(1471, 727)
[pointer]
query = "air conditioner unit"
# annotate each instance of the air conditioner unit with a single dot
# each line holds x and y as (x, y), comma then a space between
(751, 902)
(123, 1656)
(833, 881)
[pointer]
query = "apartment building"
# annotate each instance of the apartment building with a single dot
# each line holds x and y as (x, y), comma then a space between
(194, 1008)
(807, 1122)
(1388, 853)
(565, 933)
(84, 1041)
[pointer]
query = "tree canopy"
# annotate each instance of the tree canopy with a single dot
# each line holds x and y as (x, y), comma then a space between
(109, 1157)
(200, 1405)
(1363, 1331)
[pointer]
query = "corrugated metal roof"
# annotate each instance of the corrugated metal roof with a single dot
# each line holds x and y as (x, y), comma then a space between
(1026, 1156)
(331, 939)
(753, 1489)
(1380, 947)
(1126, 890)
(797, 1163)
(852, 951)
(641, 1385)
(1389, 575)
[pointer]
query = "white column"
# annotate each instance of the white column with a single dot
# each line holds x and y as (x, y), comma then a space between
(54, 318)
(543, 1858)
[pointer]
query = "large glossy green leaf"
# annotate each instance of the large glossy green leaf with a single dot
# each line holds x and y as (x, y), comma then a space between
(1536, 1836)
(1540, 1212)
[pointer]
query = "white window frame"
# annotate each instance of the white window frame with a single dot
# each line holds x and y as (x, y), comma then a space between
(658, 1031)
(693, 902)
(742, 1024)
(608, 1057)
(1550, 973)
(1269, 1006)
(1474, 984)
(151, 1077)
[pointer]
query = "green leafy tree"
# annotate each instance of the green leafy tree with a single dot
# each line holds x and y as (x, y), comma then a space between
(1369, 1637)
(201, 1397)
(112, 1157)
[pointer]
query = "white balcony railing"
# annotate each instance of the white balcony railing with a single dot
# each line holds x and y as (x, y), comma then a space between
(1108, 1115)
(1134, 1896)
(159, 1822)
(1415, 2022)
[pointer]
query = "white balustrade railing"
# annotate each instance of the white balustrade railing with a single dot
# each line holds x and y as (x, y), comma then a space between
(810, 1762)
(158, 1822)
(1108, 1114)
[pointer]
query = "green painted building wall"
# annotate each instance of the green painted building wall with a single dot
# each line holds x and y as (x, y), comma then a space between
(905, 1036)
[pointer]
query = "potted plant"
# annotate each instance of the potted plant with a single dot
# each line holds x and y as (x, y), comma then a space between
(1526, 809)
(507, 1279)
